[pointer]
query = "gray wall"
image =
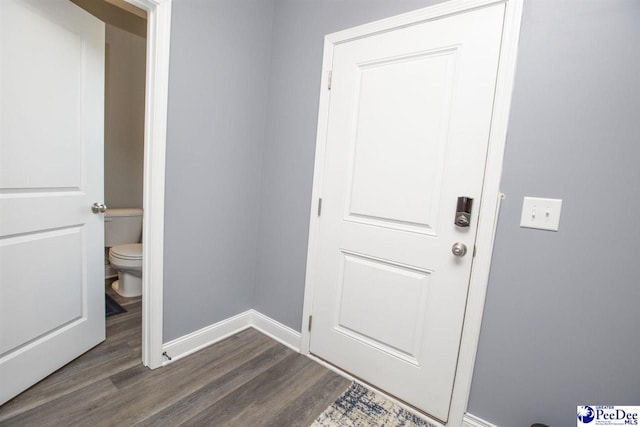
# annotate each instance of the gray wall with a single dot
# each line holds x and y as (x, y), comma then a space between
(290, 138)
(562, 321)
(124, 118)
(217, 97)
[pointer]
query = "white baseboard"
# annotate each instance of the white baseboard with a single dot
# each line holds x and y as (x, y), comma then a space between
(276, 330)
(190, 343)
(472, 421)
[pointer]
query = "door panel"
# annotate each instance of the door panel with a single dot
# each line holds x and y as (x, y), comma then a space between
(51, 171)
(29, 67)
(407, 133)
(24, 291)
(391, 164)
(397, 295)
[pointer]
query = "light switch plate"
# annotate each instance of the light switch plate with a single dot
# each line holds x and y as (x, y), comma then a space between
(543, 214)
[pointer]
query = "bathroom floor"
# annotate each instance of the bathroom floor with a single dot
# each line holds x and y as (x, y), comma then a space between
(119, 299)
(247, 379)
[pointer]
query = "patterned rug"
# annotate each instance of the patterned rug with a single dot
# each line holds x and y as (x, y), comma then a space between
(360, 407)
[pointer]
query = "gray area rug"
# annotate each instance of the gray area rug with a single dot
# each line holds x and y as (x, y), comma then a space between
(360, 407)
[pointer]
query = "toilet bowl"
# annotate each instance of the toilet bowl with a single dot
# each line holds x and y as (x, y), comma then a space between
(127, 260)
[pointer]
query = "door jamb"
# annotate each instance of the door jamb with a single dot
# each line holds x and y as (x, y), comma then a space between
(491, 195)
(155, 138)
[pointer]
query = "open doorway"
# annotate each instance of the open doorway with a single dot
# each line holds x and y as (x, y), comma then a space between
(124, 120)
(149, 19)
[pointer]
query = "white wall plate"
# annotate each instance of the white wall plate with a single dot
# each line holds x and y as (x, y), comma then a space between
(543, 214)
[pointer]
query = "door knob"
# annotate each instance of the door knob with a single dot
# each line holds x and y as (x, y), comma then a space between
(98, 207)
(459, 249)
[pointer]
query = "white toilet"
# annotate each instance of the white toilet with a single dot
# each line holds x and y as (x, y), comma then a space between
(122, 233)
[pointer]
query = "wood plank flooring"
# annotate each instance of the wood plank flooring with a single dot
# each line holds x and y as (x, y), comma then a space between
(246, 380)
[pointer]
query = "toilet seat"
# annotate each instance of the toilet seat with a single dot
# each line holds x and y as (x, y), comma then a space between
(129, 252)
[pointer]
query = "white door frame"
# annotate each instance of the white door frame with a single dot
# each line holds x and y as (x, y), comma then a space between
(155, 139)
(491, 196)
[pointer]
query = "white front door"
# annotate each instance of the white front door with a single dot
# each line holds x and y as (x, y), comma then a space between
(51, 171)
(407, 134)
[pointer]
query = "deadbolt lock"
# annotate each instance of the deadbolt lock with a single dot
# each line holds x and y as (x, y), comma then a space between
(463, 212)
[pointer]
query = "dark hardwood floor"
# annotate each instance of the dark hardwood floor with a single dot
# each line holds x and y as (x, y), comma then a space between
(246, 380)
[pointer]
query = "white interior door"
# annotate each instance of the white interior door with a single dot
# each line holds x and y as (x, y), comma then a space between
(407, 134)
(51, 171)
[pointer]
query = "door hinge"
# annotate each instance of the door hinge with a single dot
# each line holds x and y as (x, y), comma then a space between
(319, 206)
(310, 321)
(329, 80)
(474, 251)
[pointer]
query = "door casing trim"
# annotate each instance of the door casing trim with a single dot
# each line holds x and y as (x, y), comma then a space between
(491, 195)
(155, 140)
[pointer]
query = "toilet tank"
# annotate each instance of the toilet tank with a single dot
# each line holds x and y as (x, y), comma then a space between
(122, 226)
